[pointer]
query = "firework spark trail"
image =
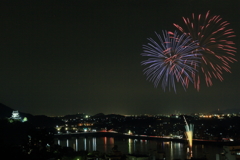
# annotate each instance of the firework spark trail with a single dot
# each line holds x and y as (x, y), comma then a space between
(189, 133)
(170, 60)
(213, 37)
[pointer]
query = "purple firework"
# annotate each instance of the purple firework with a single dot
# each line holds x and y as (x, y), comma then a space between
(171, 60)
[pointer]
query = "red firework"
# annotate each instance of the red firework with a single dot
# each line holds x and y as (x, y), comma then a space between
(218, 50)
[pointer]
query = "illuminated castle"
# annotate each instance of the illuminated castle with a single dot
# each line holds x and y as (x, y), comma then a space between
(15, 116)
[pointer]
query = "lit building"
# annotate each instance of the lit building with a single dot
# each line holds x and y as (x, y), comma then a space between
(16, 116)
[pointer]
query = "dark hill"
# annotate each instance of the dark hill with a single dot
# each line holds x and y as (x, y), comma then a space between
(5, 111)
(38, 121)
(226, 111)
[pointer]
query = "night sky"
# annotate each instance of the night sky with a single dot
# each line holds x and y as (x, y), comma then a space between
(66, 57)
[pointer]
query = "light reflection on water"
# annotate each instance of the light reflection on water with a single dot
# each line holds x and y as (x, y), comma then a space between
(135, 146)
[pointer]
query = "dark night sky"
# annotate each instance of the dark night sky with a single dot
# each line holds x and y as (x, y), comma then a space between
(64, 57)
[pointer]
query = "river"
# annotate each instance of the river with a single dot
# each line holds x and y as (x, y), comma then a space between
(173, 150)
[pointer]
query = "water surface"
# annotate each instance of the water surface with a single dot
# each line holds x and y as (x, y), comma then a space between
(173, 150)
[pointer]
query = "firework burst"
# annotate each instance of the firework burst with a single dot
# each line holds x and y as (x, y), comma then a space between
(171, 60)
(217, 49)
